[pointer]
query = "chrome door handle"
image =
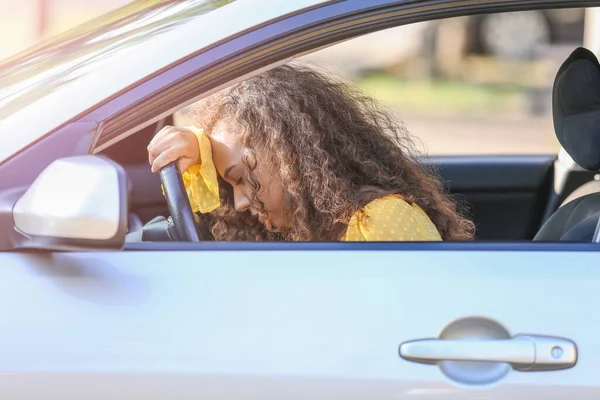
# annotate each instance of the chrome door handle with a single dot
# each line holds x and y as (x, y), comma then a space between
(524, 353)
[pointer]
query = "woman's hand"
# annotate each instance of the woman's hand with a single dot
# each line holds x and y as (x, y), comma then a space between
(172, 144)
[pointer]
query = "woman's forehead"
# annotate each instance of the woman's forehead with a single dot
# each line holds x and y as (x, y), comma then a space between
(226, 151)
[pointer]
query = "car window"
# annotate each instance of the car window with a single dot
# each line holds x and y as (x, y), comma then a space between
(469, 85)
(477, 85)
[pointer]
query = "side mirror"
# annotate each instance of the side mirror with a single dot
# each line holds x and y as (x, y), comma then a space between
(76, 203)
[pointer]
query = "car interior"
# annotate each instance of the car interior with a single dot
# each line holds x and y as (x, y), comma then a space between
(510, 198)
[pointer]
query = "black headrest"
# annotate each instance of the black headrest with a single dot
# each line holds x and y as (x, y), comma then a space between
(576, 108)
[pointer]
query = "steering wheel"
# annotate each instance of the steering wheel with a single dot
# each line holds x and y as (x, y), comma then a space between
(184, 220)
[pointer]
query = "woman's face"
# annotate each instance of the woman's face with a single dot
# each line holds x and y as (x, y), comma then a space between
(227, 156)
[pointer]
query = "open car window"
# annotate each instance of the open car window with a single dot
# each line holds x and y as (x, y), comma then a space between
(479, 108)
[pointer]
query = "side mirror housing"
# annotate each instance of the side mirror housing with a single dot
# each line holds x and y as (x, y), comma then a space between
(76, 203)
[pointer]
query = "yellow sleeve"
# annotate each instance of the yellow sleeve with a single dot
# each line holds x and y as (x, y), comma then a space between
(200, 180)
(391, 219)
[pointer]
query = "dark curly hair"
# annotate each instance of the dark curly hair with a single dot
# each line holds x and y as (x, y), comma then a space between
(335, 149)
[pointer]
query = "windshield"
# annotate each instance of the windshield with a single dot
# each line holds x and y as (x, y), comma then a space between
(39, 70)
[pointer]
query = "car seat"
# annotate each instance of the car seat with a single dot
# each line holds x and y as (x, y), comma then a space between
(576, 114)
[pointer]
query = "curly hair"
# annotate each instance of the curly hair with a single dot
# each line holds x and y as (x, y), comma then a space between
(335, 150)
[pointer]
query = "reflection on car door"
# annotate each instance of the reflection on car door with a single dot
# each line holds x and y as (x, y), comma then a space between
(299, 323)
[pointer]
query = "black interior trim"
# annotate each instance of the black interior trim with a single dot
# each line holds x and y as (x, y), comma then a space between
(144, 185)
(505, 196)
(475, 173)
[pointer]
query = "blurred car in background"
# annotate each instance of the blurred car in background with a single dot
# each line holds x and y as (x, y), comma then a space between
(518, 35)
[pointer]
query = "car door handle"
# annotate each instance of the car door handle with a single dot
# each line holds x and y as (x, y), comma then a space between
(523, 353)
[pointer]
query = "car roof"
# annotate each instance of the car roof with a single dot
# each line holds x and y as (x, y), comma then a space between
(61, 78)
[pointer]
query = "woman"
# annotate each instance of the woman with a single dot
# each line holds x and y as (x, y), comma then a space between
(301, 156)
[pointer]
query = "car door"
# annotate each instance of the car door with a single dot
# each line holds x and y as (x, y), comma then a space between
(316, 321)
(291, 320)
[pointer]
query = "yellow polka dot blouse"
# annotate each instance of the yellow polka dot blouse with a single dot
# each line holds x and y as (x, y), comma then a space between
(391, 219)
(388, 218)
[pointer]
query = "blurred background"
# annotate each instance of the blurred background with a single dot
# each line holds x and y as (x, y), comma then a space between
(469, 85)
(23, 23)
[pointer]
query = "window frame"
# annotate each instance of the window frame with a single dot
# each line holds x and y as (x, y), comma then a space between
(276, 51)
(483, 247)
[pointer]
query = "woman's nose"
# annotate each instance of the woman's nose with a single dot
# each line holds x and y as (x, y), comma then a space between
(241, 201)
